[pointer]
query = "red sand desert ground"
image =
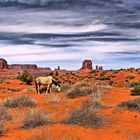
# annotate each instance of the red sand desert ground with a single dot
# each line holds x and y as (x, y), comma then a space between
(122, 124)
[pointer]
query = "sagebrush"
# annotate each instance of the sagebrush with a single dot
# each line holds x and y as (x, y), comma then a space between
(133, 105)
(81, 89)
(4, 114)
(87, 115)
(19, 101)
(2, 128)
(34, 118)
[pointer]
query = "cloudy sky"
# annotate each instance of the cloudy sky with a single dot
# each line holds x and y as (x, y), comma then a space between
(65, 32)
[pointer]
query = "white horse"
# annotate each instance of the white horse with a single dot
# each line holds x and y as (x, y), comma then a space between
(46, 81)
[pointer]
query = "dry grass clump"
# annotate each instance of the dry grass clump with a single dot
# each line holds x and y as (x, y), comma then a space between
(43, 136)
(87, 115)
(133, 105)
(133, 136)
(65, 86)
(130, 77)
(55, 99)
(81, 89)
(4, 114)
(2, 128)
(83, 84)
(19, 101)
(34, 118)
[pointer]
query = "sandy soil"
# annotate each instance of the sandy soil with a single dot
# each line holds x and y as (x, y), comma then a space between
(122, 123)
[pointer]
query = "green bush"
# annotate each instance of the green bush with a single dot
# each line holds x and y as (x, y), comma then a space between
(136, 88)
(135, 91)
(25, 77)
(134, 84)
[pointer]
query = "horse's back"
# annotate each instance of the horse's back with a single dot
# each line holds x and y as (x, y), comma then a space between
(44, 80)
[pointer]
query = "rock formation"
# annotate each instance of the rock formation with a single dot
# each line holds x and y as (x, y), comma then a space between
(87, 64)
(3, 64)
(23, 66)
(99, 68)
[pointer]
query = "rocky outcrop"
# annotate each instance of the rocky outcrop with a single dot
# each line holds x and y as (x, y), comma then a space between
(59, 71)
(3, 64)
(46, 70)
(87, 64)
(23, 66)
(99, 68)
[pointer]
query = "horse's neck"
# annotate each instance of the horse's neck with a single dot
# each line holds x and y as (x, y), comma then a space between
(54, 82)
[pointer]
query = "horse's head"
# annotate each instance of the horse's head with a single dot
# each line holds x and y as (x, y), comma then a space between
(58, 87)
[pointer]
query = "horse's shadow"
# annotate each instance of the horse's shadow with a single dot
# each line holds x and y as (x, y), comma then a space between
(43, 90)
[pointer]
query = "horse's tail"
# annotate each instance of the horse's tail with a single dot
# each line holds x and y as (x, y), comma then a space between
(36, 86)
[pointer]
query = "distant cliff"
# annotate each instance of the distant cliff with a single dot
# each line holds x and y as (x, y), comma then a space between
(33, 68)
(22, 66)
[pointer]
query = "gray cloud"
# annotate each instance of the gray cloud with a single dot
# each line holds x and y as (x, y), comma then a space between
(61, 31)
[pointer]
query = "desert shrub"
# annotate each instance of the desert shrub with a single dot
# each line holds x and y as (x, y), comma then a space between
(1, 80)
(115, 72)
(126, 80)
(83, 84)
(13, 90)
(133, 136)
(104, 78)
(134, 84)
(65, 86)
(43, 136)
(103, 73)
(135, 91)
(87, 115)
(19, 101)
(95, 74)
(25, 77)
(94, 71)
(131, 69)
(81, 89)
(111, 83)
(136, 88)
(130, 77)
(133, 105)
(2, 128)
(55, 99)
(138, 71)
(34, 118)
(4, 114)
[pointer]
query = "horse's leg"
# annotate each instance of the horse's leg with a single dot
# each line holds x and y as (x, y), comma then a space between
(50, 88)
(47, 91)
(38, 88)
